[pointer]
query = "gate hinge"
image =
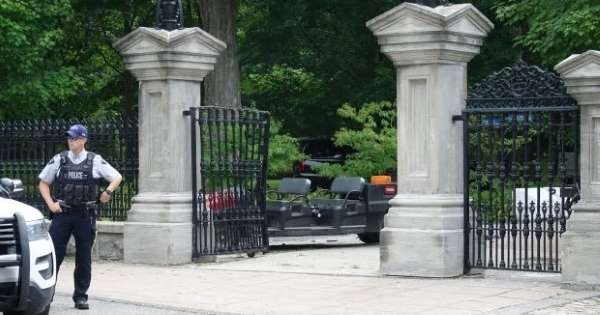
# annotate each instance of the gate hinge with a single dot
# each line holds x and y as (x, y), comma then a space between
(456, 118)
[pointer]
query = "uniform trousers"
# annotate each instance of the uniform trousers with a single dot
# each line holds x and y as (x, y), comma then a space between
(83, 228)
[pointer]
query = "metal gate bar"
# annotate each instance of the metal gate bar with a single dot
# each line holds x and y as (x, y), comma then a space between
(521, 146)
(521, 169)
(229, 148)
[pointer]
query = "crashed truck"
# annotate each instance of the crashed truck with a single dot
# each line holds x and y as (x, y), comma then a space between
(349, 206)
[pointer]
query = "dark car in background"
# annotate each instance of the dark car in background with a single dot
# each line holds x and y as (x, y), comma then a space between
(320, 150)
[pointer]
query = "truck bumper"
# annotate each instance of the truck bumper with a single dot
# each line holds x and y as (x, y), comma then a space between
(39, 299)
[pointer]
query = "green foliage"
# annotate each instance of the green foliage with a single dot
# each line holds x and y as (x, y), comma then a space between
(299, 59)
(283, 152)
(553, 29)
(372, 136)
(498, 49)
(286, 92)
(32, 73)
(325, 42)
(328, 42)
(57, 59)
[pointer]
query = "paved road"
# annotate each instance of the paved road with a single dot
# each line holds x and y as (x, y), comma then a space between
(316, 276)
(329, 255)
(590, 306)
(62, 305)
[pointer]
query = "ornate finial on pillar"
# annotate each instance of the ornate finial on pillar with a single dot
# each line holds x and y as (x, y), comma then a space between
(169, 15)
(429, 3)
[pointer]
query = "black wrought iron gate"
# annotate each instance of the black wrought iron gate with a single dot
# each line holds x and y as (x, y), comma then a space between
(229, 154)
(521, 134)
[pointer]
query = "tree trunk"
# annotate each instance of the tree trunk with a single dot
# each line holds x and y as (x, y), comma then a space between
(222, 86)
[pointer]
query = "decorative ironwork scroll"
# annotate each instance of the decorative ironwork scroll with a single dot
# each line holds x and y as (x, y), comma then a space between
(519, 81)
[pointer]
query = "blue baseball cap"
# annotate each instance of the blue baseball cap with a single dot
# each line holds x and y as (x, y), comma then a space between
(77, 131)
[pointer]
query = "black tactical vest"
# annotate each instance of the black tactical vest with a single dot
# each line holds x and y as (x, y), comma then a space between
(75, 183)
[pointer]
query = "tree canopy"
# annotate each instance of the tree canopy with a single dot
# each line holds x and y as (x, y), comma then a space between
(300, 59)
(307, 58)
(551, 30)
(33, 72)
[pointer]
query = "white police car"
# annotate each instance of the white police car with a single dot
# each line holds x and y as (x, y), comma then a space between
(27, 258)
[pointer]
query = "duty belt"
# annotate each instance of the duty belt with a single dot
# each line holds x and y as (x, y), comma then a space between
(84, 208)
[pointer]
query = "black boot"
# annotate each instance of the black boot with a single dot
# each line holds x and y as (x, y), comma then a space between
(82, 305)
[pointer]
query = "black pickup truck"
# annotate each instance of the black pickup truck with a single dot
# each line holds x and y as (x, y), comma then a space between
(349, 206)
(320, 150)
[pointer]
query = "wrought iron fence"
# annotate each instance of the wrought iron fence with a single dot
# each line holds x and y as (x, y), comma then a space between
(26, 147)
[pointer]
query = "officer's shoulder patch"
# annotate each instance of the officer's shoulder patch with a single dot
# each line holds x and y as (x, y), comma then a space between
(51, 162)
(102, 161)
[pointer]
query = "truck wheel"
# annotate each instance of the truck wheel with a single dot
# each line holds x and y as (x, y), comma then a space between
(369, 238)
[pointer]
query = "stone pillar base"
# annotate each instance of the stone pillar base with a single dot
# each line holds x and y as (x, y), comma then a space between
(580, 247)
(158, 243)
(159, 229)
(423, 236)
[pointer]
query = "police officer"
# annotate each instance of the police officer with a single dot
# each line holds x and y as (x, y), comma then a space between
(73, 175)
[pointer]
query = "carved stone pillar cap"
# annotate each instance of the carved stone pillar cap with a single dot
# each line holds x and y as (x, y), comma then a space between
(155, 54)
(581, 73)
(584, 65)
(416, 34)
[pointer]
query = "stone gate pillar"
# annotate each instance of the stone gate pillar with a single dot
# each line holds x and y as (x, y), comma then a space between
(430, 48)
(170, 66)
(580, 247)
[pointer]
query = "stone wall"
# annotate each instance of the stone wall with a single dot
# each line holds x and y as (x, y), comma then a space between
(109, 242)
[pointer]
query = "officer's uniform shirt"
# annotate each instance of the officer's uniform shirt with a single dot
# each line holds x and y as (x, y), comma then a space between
(100, 169)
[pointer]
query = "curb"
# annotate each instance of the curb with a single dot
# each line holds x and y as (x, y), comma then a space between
(153, 305)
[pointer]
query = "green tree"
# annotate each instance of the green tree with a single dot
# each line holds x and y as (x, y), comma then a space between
(287, 93)
(32, 74)
(498, 49)
(372, 137)
(552, 29)
(58, 60)
(326, 40)
(329, 41)
(283, 152)
(299, 58)
(93, 28)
